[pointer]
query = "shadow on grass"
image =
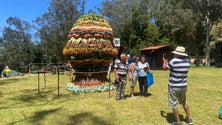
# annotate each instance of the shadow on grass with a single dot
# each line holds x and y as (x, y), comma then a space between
(138, 94)
(47, 94)
(81, 118)
(10, 80)
(170, 116)
(24, 100)
(32, 101)
(40, 115)
(37, 117)
(30, 97)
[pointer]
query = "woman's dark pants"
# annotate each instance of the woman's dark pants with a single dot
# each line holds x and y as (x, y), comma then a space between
(143, 85)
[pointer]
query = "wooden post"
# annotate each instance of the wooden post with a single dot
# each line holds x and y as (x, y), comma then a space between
(58, 84)
(38, 83)
(109, 84)
(29, 67)
(44, 79)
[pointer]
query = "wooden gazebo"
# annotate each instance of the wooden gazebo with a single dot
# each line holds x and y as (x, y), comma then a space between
(155, 54)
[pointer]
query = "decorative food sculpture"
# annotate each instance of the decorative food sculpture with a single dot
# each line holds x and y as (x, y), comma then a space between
(90, 51)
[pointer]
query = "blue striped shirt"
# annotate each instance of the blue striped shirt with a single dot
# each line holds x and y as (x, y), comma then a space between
(178, 72)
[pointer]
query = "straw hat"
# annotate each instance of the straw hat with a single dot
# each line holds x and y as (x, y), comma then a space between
(180, 51)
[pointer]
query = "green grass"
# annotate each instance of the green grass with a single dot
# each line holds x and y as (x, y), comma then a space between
(21, 104)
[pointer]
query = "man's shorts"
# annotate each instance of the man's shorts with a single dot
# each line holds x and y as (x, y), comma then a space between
(176, 96)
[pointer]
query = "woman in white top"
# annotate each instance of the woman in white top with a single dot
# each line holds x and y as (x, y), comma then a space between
(133, 74)
(143, 68)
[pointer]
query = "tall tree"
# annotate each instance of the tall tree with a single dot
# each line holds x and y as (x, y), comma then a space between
(17, 48)
(117, 13)
(217, 32)
(82, 7)
(130, 20)
(56, 24)
(187, 17)
(210, 12)
(213, 13)
(1, 49)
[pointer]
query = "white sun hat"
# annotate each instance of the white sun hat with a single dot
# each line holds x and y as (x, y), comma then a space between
(180, 51)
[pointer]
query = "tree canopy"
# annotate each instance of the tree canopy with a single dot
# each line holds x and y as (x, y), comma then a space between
(55, 26)
(138, 23)
(16, 46)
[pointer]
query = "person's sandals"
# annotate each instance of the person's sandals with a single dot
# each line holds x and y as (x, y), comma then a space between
(175, 123)
(189, 121)
(133, 97)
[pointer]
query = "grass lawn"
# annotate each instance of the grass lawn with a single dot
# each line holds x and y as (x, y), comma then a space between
(20, 103)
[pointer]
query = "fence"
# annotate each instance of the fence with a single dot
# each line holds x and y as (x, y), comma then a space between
(48, 67)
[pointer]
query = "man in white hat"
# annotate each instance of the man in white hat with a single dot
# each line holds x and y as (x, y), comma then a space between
(177, 86)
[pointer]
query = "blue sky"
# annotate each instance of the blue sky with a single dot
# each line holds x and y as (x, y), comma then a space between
(29, 10)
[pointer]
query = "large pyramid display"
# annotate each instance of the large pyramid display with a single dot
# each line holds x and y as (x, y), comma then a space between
(90, 50)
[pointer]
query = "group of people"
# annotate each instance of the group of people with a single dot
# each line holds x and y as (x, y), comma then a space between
(138, 69)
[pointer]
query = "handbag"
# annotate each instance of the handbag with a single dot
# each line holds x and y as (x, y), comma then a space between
(220, 112)
(150, 79)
